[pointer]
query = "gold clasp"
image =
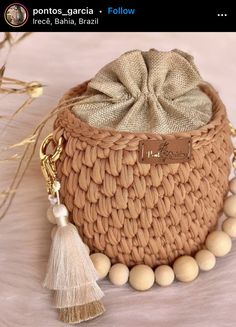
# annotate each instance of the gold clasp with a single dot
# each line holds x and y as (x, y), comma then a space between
(233, 133)
(234, 159)
(48, 161)
(232, 130)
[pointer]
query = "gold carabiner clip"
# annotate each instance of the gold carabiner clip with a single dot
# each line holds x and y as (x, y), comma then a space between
(233, 133)
(232, 130)
(48, 161)
(234, 159)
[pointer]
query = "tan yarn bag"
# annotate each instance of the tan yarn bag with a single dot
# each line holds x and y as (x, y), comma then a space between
(145, 207)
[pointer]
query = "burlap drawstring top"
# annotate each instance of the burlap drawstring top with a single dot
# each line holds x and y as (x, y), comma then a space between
(151, 91)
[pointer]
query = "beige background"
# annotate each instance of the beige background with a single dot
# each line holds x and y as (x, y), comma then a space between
(61, 60)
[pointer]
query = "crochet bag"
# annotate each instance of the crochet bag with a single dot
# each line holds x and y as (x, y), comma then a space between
(145, 165)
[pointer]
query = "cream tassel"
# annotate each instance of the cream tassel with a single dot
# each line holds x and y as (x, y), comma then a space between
(77, 296)
(71, 273)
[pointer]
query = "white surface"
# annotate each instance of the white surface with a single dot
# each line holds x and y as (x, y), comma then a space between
(61, 60)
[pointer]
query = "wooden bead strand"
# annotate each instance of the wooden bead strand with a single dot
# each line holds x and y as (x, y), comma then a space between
(185, 268)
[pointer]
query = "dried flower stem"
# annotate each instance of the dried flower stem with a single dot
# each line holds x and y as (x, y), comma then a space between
(28, 155)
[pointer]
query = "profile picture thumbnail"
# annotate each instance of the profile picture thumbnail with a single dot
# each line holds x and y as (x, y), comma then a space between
(16, 15)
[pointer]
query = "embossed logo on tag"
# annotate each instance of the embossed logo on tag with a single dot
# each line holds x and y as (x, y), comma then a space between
(165, 151)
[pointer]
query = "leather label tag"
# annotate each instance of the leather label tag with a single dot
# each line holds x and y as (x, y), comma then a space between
(165, 151)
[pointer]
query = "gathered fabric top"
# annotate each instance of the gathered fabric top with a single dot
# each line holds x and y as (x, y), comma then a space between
(153, 91)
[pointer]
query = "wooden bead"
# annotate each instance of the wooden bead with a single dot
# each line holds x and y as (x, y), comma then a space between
(164, 275)
(50, 216)
(119, 274)
(232, 185)
(185, 268)
(229, 226)
(219, 243)
(101, 263)
(205, 260)
(230, 206)
(141, 277)
(60, 210)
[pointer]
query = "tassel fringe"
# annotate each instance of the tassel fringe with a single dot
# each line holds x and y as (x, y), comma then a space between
(77, 314)
(69, 265)
(71, 274)
(77, 296)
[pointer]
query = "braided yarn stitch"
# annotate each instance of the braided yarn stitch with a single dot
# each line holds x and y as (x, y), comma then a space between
(141, 213)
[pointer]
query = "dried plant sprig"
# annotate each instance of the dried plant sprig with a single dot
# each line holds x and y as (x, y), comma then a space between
(11, 158)
(21, 38)
(6, 39)
(25, 141)
(6, 192)
(25, 104)
(2, 71)
(12, 80)
(11, 40)
(28, 155)
(33, 89)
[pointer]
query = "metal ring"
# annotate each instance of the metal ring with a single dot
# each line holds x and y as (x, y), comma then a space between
(58, 149)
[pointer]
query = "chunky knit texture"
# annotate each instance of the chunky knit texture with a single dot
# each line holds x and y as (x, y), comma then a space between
(140, 213)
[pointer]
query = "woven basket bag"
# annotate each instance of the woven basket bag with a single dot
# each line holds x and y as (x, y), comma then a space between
(141, 213)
